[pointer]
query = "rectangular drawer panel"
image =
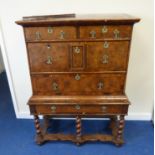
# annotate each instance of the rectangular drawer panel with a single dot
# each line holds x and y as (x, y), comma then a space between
(45, 57)
(107, 56)
(106, 32)
(82, 109)
(78, 84)
(50, 33)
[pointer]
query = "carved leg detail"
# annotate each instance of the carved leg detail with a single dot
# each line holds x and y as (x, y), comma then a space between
(78, 130)
(39, 138)
(119, 138)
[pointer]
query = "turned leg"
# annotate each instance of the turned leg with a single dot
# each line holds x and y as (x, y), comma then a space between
(39, 137)
(46, 121)
(120, 129)
(78, 130)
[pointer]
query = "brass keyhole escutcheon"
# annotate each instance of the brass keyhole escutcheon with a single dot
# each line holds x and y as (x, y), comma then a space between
(55, 86)
(104, 29)
(77, 107)
(50, 30)
(77, 50)
(53, 108)
(106, 44)
(104, 108)
(77, 77)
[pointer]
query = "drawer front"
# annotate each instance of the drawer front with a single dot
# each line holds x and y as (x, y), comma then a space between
(46, 57)
(82, 109)
(50, 33)
(107, 55)
(78, 84)
(106, 32)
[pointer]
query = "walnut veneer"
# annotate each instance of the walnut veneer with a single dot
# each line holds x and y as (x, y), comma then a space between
(78, 68)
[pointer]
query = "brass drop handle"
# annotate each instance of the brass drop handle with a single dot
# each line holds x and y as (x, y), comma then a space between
(116, 34)
(77, 77)
(77, 107)
(38, 35)
(49, 60)
(104, 29)
(93, 34)
(104, 108)
(50, 30)
(100, 85)
(62, 34)
(53, 108)
(77, 50)
(105, 59)
(55, 86)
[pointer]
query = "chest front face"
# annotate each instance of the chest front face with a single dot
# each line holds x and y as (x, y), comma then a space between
(79, 60)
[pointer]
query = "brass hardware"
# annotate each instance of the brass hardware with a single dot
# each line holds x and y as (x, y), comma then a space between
(106, 44)
(48, 46)
(116, 34)
(53, 108)
(49, 60)
(104, 108)
(55, 86)
(77, 50)
(104, 29)
(100, 85)
(62, 34)
(77, 107)
(50, 30)
(77, 77)
(93, 34)
(38, 35)
(105, 59)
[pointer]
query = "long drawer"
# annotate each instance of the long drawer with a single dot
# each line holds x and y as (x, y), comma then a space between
(81, 109)
(90, 56)
(78, 84)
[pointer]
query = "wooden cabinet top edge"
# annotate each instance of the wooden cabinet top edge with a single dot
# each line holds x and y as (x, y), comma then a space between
(91, 19)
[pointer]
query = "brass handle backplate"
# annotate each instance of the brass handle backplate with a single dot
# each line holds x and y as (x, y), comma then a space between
(116, 34)
(93, 34)
(49, 60)
(38, 36)
(105, 59)
(53, 108)
(77, 107)
(100, 85)
(62, 34)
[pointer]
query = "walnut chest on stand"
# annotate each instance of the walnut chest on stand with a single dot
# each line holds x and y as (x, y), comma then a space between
(78, 67)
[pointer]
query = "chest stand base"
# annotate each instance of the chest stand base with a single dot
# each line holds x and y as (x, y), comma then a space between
(116, 125)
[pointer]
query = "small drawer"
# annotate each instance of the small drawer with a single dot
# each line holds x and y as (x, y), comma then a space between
(106, 32)
(82, 109)
(50, 33)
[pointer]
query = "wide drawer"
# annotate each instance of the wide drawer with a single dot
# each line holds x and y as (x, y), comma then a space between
(106, 32)
(81, 109)
(78, 84)
(107, 56)
(50, 33)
